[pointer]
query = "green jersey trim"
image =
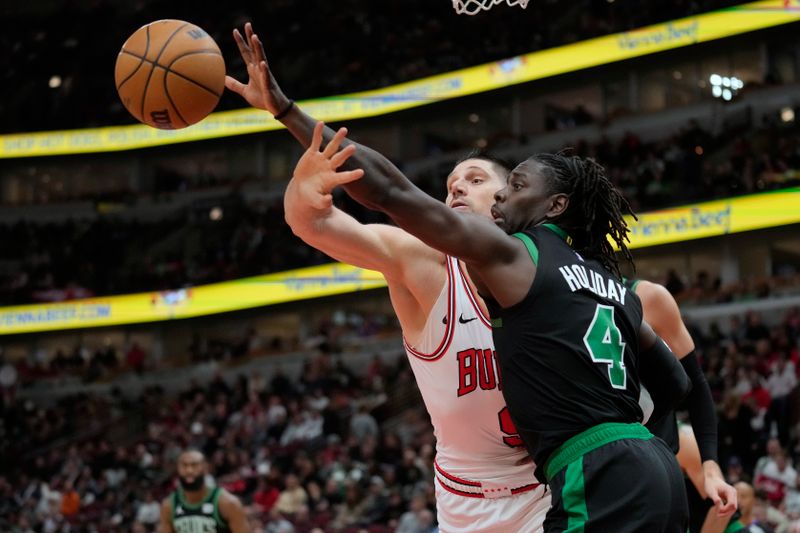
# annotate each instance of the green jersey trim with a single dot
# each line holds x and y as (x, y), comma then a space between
(560, 232)
(590, 440)
(212, 495)
(733, 527)
(529, 244)
(217, 516)
(574, 497)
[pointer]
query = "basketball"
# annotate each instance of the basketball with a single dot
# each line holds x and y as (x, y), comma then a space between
(170, 74)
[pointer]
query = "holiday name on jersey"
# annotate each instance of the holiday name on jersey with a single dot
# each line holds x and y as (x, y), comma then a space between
(579, 277)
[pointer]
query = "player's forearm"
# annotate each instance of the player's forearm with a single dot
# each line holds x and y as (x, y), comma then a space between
(301, 126)
(702, 411)
(712, 470)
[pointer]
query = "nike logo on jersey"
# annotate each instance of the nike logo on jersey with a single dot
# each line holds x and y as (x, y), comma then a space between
(463, 320)
(444, 320)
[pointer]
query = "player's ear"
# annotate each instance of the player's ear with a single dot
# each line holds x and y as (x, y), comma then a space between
(558, 205)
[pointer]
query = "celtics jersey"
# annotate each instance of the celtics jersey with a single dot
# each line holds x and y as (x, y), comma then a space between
(569, 350)
(666, 427)
(202, 517)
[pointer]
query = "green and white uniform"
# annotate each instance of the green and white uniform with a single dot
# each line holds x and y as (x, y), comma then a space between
(202, 517)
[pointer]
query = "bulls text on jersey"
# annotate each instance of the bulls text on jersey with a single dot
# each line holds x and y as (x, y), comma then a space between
(478, 368)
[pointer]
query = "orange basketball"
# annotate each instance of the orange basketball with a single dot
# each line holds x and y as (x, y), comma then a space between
(170, 74)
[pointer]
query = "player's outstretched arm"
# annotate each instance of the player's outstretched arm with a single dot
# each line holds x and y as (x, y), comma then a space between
(232, 511)
(263, 92)
(309, 211)
(470, 237)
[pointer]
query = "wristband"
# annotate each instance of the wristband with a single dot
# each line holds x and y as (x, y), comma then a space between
(285, 111)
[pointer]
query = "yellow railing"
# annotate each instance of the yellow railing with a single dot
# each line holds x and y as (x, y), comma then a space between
(537, 65)
(678, 224)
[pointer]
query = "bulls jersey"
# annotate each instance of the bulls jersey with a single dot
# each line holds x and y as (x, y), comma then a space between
(569, 348)
(456, 369)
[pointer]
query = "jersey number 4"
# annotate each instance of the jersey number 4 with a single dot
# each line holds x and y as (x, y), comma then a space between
(604, 341)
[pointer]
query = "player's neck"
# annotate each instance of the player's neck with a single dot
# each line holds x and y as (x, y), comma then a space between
(195, 496)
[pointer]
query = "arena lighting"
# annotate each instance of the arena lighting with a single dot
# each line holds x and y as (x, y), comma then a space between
(55, 81)
(215, 214)
(474, 118)
(787, 114)
(725, 87)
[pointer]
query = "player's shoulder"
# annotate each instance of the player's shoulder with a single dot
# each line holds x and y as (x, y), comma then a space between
(650, 290)
(227, 500)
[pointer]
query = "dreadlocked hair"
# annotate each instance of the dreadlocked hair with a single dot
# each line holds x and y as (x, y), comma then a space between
(596, 207)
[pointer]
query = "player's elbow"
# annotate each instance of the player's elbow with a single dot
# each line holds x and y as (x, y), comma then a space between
(303, 227)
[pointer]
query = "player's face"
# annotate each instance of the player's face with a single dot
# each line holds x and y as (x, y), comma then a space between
(192, 470)
(525, 200)
(471, 186)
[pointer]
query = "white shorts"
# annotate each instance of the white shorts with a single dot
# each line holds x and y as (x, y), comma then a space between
(519, 513)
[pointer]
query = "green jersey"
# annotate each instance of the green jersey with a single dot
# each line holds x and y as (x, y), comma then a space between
(202, 517)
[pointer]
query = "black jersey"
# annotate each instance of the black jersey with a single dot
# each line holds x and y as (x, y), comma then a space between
(666, 428)
(569, 350)
(203, 517)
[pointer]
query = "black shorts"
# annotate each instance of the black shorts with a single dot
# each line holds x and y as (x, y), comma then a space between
(616, 478)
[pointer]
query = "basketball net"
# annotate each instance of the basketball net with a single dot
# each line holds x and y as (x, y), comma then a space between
(473, 7)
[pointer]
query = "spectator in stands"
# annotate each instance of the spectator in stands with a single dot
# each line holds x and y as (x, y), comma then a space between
(70, 500)
(135, 358)
(413, 521)
(265, 496)
(363, 425)
(780, 384)
(291, 497)
(148, 512)
(776, 477)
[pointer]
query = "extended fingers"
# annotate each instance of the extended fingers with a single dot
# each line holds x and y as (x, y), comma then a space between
(341, 156)
(234, 85)
(240, 42)
(316, 137)
(340, 178)
(335, 143)
(258, 48)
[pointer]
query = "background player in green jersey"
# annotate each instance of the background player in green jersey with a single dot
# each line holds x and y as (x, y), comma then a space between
(569, 335)
(194, 507)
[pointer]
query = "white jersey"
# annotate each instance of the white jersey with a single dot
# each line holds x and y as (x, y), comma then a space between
(477, 448)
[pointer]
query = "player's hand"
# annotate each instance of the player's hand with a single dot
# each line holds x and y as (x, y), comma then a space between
(262, 90)
(317, 174)
(723, 495)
